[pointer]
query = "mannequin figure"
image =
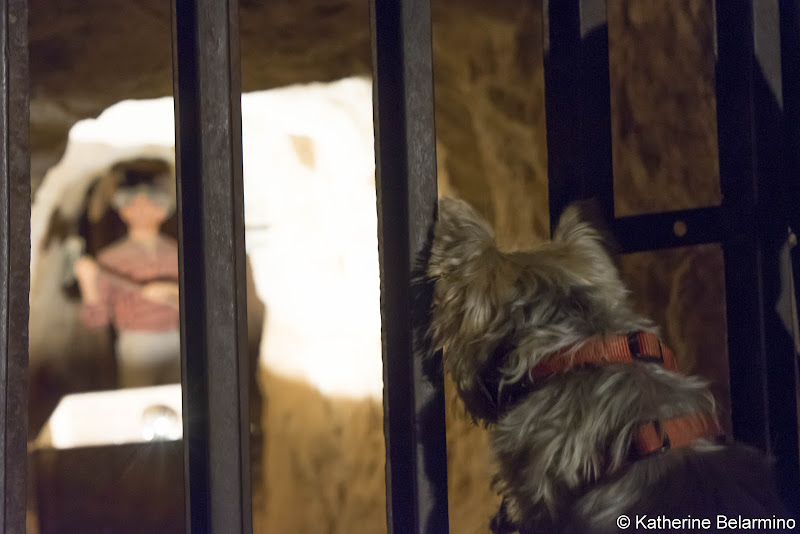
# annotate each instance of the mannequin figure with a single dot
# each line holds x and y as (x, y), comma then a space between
(133, 285)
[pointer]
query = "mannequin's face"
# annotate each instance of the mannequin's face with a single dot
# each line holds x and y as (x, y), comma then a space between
(142, 213)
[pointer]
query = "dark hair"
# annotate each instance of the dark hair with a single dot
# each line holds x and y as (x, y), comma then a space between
(136, 171)
(151, 176)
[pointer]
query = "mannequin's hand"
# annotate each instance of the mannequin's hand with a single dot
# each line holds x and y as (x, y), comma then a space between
(86, 271)
(163, 292)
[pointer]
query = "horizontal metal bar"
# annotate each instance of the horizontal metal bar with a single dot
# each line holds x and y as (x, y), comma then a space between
(578, 105)
(760, 349)
(405, 179)
(208, 148)
(15, 244)
(668, 230)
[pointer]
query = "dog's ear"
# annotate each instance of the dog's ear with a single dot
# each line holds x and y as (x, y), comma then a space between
(586, 238)
(462, 266)
(474, 287)
(586, 254)
(460, 234)
(585, 219)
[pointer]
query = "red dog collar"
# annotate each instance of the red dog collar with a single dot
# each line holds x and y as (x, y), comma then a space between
(651, 437)
(636, 346)
(660, 436)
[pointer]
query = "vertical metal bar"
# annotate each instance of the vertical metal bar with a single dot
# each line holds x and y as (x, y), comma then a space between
(790, 63)
(405, 179)
(577, 104)
(208, 146)
(15, 216)
(749, 115)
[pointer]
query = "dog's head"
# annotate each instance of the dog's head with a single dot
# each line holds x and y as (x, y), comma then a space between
(498, 314)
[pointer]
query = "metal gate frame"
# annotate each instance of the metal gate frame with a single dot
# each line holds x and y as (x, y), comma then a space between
(757, 84)
(757, 115)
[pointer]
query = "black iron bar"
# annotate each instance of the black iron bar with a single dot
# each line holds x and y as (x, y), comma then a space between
(755, 212)
(577, 104)
(790, 70)
(208, 145)
(790, 65)
(15, 235)
(405, 178)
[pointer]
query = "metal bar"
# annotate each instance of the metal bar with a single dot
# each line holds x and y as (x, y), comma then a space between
(405, 179)
(761, 351)
(15, 244)
(208, 147)
(577, 104)
(790, 63)
(657, 231)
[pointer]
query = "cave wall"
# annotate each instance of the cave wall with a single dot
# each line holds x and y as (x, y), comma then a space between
(490, 125)
(488, 87)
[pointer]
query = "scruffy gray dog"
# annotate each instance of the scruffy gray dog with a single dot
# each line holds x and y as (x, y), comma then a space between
(588, 417)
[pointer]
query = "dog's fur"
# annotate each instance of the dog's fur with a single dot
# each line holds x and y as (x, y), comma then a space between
(561, 449)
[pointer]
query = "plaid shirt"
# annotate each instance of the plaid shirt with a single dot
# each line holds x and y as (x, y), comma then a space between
(124, 306)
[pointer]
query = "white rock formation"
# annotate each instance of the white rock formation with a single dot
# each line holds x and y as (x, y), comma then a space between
(311, 225)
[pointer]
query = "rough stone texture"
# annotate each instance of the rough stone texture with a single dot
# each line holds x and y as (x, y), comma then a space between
(490, 111)
(488, 76)
(86, 55)
(663, 106)
(325, 464)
